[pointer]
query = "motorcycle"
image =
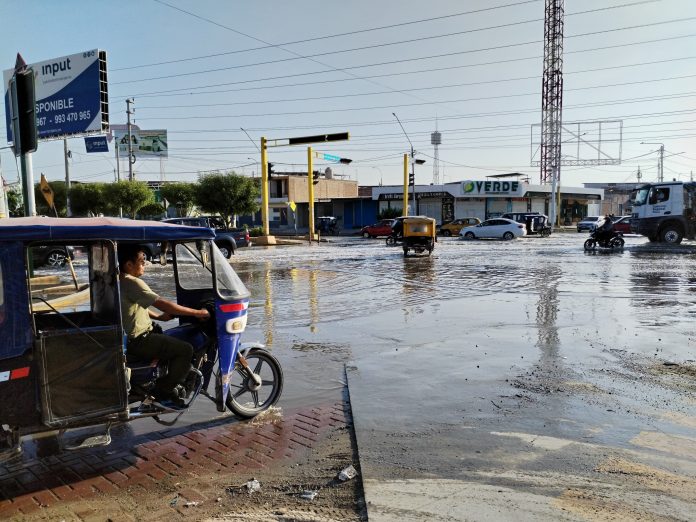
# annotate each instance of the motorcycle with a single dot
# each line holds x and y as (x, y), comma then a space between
(67, 366)
(604, 238)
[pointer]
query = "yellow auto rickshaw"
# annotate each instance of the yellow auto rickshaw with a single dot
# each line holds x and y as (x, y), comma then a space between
(418, 235)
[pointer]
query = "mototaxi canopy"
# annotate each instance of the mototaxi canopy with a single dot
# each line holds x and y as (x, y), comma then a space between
(84, 229)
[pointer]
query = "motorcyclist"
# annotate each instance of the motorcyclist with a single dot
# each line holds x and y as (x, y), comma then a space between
(398, 228)
(605, 231)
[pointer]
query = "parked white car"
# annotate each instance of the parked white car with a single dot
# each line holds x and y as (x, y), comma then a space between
(495, 228)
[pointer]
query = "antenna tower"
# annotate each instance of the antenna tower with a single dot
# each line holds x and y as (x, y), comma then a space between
(552, 92)
(435, 141)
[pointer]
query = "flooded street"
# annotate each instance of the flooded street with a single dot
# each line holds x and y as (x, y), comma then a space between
(502, 309)
(524, 375)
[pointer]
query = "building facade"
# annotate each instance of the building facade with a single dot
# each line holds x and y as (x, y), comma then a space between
(486, 199)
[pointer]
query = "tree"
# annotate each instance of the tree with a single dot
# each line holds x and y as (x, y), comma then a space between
(59, 199)
(131, 196)
(227, 195)
(152, 211)
(15, 203)
(182, 195)
(389, 213)
(88, 199)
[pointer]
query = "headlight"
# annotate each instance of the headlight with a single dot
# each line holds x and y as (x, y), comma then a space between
(236, 325)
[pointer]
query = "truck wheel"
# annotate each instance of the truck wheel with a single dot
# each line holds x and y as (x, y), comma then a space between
(672, 235)
(226, 251)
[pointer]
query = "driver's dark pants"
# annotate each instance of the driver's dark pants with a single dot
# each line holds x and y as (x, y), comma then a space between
(177, 353)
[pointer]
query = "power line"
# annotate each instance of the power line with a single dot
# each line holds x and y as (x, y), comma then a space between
(380, 107)
(329, 53)
(318, 38)
(429, 88)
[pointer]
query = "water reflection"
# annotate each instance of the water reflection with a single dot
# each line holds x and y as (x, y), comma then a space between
(547, 310)
(268, 304)
(419, 281)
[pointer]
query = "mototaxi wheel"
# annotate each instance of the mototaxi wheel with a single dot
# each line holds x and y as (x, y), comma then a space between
(508, 236)
(245, 399)
(590, 244)
(391, 240)
(469, 235)
(405, 251)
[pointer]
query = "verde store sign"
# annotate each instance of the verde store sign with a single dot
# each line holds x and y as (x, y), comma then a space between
(479, 188)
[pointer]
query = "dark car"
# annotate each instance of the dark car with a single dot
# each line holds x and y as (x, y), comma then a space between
(381, 228)
(51, 255)
(225, 238)
(623, 225)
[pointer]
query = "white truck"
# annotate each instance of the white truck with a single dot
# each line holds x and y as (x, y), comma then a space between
(665, 212)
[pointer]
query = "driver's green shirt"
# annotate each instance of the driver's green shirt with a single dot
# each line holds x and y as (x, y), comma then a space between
(136, 298)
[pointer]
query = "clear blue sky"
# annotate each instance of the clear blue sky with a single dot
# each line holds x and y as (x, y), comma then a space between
(482, 84)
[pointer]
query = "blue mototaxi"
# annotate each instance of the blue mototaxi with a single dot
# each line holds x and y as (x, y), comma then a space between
(64, 369)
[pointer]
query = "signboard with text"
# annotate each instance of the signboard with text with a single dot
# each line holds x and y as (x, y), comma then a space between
(71, 96)
(144, 142)
(96, 144)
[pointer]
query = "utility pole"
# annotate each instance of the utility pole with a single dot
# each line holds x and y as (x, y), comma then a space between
(660, 166)
(67, 155)
(131, 158)
(639, 174)
(118, 163)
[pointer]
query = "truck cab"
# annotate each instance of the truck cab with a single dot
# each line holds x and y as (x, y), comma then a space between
(664, 212)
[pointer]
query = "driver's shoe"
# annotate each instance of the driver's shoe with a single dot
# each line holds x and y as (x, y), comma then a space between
(170, 399)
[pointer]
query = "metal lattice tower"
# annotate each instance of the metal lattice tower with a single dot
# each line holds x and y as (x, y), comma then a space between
(552, 92)
(435, 141)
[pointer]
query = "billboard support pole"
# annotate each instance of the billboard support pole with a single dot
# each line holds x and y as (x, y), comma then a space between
(25, 164)
(66, 153)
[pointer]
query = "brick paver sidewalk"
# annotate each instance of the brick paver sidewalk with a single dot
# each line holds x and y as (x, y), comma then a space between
(36, 484)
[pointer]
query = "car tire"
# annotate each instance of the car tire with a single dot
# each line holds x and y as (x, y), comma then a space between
(446, 233)
(508, 236)
(366, 235)
(56, 258)
(469, 235)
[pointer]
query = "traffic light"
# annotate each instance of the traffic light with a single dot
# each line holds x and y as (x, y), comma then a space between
(315, 177)
(270, 170)
(24, 121)
(411, 179)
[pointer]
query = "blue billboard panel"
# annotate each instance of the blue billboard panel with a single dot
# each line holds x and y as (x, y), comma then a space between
(96, 144)
(71, 96)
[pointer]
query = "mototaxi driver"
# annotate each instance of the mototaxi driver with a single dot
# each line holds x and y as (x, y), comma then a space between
(143, 341)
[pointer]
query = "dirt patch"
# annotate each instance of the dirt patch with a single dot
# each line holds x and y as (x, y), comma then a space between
(596, 507)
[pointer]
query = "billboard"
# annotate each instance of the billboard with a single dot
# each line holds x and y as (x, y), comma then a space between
(71, 96)
(145, 142)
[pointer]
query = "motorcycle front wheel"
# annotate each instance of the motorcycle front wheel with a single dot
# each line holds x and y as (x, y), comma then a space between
(590, 244)
(246, 399)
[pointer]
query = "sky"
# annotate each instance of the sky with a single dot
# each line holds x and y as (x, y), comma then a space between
(472, 70)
